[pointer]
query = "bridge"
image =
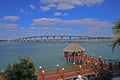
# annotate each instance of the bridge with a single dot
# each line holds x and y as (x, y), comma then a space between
(62, 38)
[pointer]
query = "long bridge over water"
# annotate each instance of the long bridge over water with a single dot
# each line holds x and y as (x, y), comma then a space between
(62, 38)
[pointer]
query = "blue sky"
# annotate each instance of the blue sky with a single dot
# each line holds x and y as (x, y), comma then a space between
(21, 18)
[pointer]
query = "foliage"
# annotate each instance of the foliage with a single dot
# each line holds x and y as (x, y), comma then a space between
(104, 75)
(116, 30)
(22, 70)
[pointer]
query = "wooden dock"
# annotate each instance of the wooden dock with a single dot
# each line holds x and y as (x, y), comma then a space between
(90, 66)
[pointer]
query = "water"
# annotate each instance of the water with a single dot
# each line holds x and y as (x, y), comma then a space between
(50, 54)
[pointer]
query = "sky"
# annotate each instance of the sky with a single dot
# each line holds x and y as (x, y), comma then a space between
(23, 18)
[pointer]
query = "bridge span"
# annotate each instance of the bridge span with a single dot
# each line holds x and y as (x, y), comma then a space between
(63, 38)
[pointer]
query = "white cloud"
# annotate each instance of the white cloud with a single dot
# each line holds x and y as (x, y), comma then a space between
(44, 8)
(45, 21)
(11, 18)
(38, 28)
(25, 12)
(67, 4)
(8, 26)
(47, 7)
(60, 14)
(32, 6)
(47, 29)
(60, 29)
(57, 14)
(19, 31)
(86, 22)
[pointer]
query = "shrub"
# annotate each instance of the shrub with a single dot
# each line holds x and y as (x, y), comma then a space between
(22, 70)
(104, 75)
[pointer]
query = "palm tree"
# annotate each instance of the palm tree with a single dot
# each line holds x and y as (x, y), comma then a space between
(116, 31)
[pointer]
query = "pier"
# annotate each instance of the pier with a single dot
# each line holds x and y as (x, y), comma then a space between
(92, 66)
(62, 39)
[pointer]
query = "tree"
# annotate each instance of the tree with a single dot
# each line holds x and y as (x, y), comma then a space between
(22, 70)
(116, 31)
(104, 75)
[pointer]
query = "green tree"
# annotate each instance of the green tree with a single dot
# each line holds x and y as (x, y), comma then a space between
(22, 70)
(116, 30)
(104, 75)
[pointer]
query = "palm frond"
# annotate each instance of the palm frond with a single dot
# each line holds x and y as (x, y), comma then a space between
(116, 42)
(116, 31)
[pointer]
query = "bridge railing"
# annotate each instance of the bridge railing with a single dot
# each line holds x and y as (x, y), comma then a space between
(50, 71)
(113, 62)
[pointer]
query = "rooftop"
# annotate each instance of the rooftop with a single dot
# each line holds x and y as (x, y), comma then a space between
(73, 48)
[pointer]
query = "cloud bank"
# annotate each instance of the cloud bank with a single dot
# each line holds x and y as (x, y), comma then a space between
(86, 22)
(8, 26)
(11, 18)
(66, 4)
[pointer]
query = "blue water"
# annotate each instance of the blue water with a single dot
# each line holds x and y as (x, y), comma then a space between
(50, 54)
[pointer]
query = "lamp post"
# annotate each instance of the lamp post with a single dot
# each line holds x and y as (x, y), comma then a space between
(3, 75)
(79, 77)
(80, 69)
(43, 76)
(110, 64)
(101, 64)
(88, 64)
(57, 69)
(119, 63)
(74, 67)
(62, 73)
(95, 69)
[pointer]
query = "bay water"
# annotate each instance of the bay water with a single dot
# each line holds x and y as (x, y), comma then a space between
(49, 55)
